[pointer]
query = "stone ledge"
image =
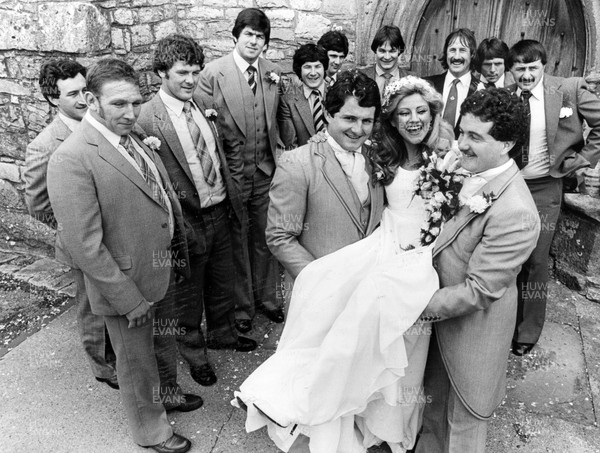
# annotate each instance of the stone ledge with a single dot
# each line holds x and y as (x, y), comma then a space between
(583, 204)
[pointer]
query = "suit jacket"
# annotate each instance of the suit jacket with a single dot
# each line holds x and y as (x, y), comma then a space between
(312, 211)
(155, 120)
(219, 87)
(438, 83)
(295, 118)
(370, 72)
(567, 149)
(37, 156)
(110, 226)
(478, 257)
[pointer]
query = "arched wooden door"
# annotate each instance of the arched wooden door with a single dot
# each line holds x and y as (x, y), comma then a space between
(558, 24)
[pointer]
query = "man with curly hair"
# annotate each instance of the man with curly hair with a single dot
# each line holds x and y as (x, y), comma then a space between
(192, 150)
(477, 256)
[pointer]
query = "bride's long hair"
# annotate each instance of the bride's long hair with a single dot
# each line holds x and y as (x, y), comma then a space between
(389, 150)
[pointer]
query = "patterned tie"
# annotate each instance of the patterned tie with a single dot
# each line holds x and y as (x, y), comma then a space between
(525, 95)
(451, 104)
(208, 169)
(328, 81)
(489, 85)
(251, 71)
(317, 111)
(147, 173)
(387, 76)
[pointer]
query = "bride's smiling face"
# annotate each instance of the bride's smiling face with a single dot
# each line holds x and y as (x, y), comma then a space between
(412, 118)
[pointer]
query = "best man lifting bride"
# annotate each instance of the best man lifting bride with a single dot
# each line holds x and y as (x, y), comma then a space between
(356, 364)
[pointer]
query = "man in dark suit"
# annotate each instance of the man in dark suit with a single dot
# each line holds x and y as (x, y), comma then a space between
(117, 217)
(490, 61)
(335, 44)
(63, 82)
(458, 82)
(301, 114)
(387, 45)
(192, 152)
(244, 88)
(554, 148)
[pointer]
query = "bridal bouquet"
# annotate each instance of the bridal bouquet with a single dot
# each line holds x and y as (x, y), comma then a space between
(439, 183)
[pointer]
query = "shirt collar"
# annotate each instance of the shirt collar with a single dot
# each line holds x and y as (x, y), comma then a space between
(243, 64)
(538, 90)
(465, 79)
(109, 135)
(308, 91)
(499, 83)
(71, 123)
(337, 147)
(491, 173)
(395, 73)
(172, 103)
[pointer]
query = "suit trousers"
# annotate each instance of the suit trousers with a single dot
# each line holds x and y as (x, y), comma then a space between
(532, 281)
(138, 381)
(448, 426)
(92, 331)
(257, 271)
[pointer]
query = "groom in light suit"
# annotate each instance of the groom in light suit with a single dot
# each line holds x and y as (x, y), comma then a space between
(477, 256)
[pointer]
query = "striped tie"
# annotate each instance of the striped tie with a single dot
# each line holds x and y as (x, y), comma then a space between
(208, 169)
(157, 194)
(317, 111)
(251, 71)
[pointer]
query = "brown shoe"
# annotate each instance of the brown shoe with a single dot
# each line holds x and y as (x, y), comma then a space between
(174, 444)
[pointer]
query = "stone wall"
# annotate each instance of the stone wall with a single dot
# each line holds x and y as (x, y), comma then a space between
(32, 31)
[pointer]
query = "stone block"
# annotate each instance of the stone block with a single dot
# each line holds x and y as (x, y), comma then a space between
(11, 118)
(124, 16)
(158, 2)
(165, 28)
(36, 116)
(193, 27)
(230, 15)
(221, 3)
(23, 228)
(10, 172)
(283, 34)
(307, 5)
(245, 3)
(274, 55)
(7, 86)
(273, 3)
(118, 41)
(201, 12)
(13, 144)
(42, 271)
(8, 268)
(69, 290)
(147, 15)
(141, 35)
(339, 8)
(10, 197)
(281, 17)
(311, 26)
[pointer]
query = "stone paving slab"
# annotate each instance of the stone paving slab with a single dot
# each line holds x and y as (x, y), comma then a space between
(42, 271)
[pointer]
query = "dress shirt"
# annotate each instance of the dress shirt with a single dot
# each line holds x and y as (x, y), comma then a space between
(462, 89)
(380, 79)
(472, 184)
(243, 65)
(538, 163)
(209, 195)
(353, 165)
(482, 81)
(114, 140)
(308, 92)
(70, 122)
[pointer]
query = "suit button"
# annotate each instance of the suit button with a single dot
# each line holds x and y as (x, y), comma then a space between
(165, 225)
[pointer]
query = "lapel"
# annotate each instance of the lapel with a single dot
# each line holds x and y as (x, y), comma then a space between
(454, 226)
(269, 89)
(61, 131)
(473, 85)
(113, 157)
(553, 101)
(167, 130)
(375, 192)
(229, 82)
(337, 180)
(303, 107)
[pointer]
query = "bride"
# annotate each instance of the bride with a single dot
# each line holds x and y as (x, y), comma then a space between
(348, 370)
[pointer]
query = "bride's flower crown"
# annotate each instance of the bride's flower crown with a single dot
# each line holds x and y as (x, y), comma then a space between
(397, 85)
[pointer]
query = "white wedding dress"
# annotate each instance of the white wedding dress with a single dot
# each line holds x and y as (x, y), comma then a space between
(348, 370)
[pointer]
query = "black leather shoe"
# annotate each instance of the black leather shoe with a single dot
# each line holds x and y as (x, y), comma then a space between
(242, 344)
(111, 382)
(243, 325)
(203, 375)
(174, 444)
(187, 403)
(520, 349)
(275, 315)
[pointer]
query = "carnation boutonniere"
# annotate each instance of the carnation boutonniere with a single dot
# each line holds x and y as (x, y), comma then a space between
(479, 203)
(210, 114)
(152, 142)
(272, 77)
(565, 112)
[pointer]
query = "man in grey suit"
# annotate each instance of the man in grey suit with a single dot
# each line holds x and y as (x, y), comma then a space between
(323, 196)
(244, 88)
(63, 82)
(192, 152)
(477, 256)
(301, 114)
(119, 221)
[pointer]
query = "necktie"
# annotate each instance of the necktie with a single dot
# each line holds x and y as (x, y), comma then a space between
(489, 85)
(208, 169)
(148, 175)
(317, 111)
(251, 71)
(524, 158)
(451, 104)
(328, 81)
(387, 76)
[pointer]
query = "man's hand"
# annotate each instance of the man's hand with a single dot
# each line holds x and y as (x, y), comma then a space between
(139, 315)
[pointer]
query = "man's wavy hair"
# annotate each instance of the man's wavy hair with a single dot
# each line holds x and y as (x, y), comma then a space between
(110, 70)
(489, 49)
(466, 37)
(353, 83)
(526, 51)
(309, 53)
(174, 48)
(53, 71)
(334, 40)
(254, 18)
(504, 109)
(390, 152)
